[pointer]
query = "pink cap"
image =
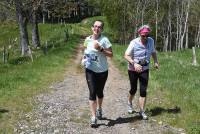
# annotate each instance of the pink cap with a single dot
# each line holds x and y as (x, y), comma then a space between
(144, 30)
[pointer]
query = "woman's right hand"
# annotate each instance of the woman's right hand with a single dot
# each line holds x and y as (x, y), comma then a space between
(97, 46)
(138, 67)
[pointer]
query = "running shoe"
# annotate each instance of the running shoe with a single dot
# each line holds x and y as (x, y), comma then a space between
(143, 115)
(130, 108)
(93, 122)
(99, 113)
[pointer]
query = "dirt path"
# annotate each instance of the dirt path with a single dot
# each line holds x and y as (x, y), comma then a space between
(66, 110)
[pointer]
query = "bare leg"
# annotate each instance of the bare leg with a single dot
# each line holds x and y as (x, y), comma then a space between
(93, 107)
(142, 101)
(130, 106)
(99, 102)
(130, 98)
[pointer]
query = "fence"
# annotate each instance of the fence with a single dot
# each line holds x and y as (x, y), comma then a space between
(11, 51)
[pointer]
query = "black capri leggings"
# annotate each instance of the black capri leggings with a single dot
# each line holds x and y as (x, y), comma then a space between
(143, 80)
(96, 83)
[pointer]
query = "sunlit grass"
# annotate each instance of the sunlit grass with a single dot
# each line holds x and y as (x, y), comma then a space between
(20, 81)
(173, 93)
(174, 89)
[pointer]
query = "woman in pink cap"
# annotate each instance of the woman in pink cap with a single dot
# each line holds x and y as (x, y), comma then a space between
(138, 56)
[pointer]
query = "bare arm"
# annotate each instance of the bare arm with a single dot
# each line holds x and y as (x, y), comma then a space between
(154, 56)
(138, 67)
(128, 58)
(107, 51)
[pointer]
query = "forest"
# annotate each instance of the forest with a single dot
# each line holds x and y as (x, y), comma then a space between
(175, 23)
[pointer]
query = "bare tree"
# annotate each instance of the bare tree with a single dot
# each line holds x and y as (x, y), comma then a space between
(185, 23)
(195, 21)
(182, 22)
(157, 10)
(22, 21)
(167, 31)
(197, 38)
(35, 33)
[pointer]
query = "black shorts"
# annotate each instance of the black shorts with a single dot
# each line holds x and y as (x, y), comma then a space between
(143, 80)
(96, 83)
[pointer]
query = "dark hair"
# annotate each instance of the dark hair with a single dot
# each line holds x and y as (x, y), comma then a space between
(102, 23)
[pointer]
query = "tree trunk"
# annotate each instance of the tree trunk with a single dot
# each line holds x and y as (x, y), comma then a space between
(185, 24)
(166, 42)
(197, 39)
(157, 5)
(177, 29)
(22, 27)
(144, 4)
(186, 39)
(43, 17)
(169, 27)
(137, 17)
(35, 33)
(194, 60)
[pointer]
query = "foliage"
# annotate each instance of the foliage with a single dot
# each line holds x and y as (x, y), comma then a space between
(167, 18)
(87, 23)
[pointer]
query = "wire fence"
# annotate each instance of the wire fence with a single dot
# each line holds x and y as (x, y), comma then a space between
(10, 52)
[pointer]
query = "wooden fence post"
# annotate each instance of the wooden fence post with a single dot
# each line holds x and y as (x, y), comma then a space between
(4, 54)
(46, 48)
(30, 53)
(66, 35)
(194, 60)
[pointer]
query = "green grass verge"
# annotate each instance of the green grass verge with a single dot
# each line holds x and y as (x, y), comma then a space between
(173, 93)
(174, 89)
(22, 79)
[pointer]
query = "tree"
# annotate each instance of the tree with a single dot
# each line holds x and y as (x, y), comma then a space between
(22, 21)
(174, 22)
(194, 22)
(35, 33)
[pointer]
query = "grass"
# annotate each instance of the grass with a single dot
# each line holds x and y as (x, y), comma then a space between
(22, 79)
(173, 93)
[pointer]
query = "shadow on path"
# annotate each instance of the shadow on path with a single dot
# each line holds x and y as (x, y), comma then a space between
(120, 120)
(159, 110)
(153, 112)
(3, 110)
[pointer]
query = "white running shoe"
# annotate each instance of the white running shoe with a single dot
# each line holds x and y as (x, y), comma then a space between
(143, 115)
(130, 108)
(93, 122)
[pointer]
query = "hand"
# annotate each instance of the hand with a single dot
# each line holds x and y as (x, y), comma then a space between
(97, 46)
(138, 67)
(157, 66)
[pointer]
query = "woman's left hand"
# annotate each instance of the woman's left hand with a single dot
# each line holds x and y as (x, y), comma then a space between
(156, 65)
